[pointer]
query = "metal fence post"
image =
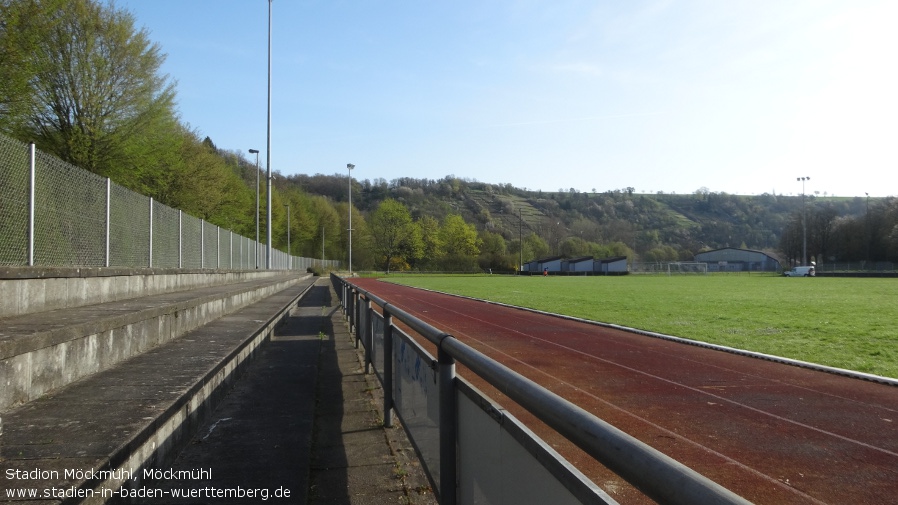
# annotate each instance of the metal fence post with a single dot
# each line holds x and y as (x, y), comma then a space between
(150, 265)
(388, 369)
(108, 216)
(202, 243)
(180, 240)
(31, 208)
(448, 427)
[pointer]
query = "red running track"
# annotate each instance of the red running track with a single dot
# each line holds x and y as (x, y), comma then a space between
(770, 432)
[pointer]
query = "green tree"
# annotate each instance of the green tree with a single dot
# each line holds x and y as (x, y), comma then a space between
(432, 243)
(99, 101)
(23, 24)
(461, 243)
(198, 180)
(327, 229)
(573, 247)
(661, 253)
(411, 249)
(393, 234)
(534, 247)
(494, 252)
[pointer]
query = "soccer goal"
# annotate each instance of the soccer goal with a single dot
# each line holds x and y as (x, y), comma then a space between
(687, 268)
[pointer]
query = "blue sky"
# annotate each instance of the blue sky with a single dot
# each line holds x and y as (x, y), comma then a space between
(735, 96)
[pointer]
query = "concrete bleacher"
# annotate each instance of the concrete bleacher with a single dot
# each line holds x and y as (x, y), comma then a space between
(118, 373)
(60, 338)
(145, 369)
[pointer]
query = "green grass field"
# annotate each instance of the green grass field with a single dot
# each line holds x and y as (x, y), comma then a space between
(842, 322)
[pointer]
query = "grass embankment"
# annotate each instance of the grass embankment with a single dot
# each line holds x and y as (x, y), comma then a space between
(841, 322)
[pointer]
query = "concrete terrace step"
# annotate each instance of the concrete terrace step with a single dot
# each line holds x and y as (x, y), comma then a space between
(45, 351)
(28, 290)
(304, 420)
(97, 433)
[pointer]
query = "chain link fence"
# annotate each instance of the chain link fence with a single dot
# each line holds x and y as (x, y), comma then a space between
(13, 202)
(55, 214)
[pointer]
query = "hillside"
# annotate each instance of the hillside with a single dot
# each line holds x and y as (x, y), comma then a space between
(676, 226)
(136, 137)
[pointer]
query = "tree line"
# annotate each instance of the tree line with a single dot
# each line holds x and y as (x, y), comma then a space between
(828, 235)
(78, 78)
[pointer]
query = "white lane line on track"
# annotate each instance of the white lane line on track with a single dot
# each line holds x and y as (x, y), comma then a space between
(679, 340)
(656, 377)
(675, 435)
(662, 429)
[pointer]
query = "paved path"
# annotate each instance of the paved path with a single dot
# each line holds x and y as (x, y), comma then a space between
(301, 426)
(770, 432)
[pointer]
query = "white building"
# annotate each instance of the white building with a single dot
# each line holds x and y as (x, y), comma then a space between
(583, 264)
(617, 265)
(731, 259)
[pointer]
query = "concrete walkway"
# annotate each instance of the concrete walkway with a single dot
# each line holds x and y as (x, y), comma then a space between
(355, 460)
(303, 425)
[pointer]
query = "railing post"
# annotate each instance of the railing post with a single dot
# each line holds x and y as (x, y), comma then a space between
(350, 307)
(388, 368)
(448, 427)
(368, 332)
(354, 319)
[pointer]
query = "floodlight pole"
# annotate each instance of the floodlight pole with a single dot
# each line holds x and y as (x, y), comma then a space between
(268, 152)
(867, 233)
(350, 166)
(804, 226)
(521, 239)
(256, 152)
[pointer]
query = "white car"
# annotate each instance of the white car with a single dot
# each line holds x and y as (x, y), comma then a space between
(800, 272)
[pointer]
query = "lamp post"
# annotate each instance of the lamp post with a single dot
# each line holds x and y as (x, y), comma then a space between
(289, 253)
(256, 152)
(804, 226)
(521, 239)
(349, 167)
(268, 151)
(867, 233)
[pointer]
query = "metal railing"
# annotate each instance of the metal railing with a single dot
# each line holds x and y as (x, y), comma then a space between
(653, 473)
(858, 267)
(55, 214)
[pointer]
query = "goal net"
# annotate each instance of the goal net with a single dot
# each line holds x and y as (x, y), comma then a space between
(686, 268)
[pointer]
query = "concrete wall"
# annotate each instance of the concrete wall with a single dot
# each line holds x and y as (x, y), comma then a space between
(28, 290)
(38, 355)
